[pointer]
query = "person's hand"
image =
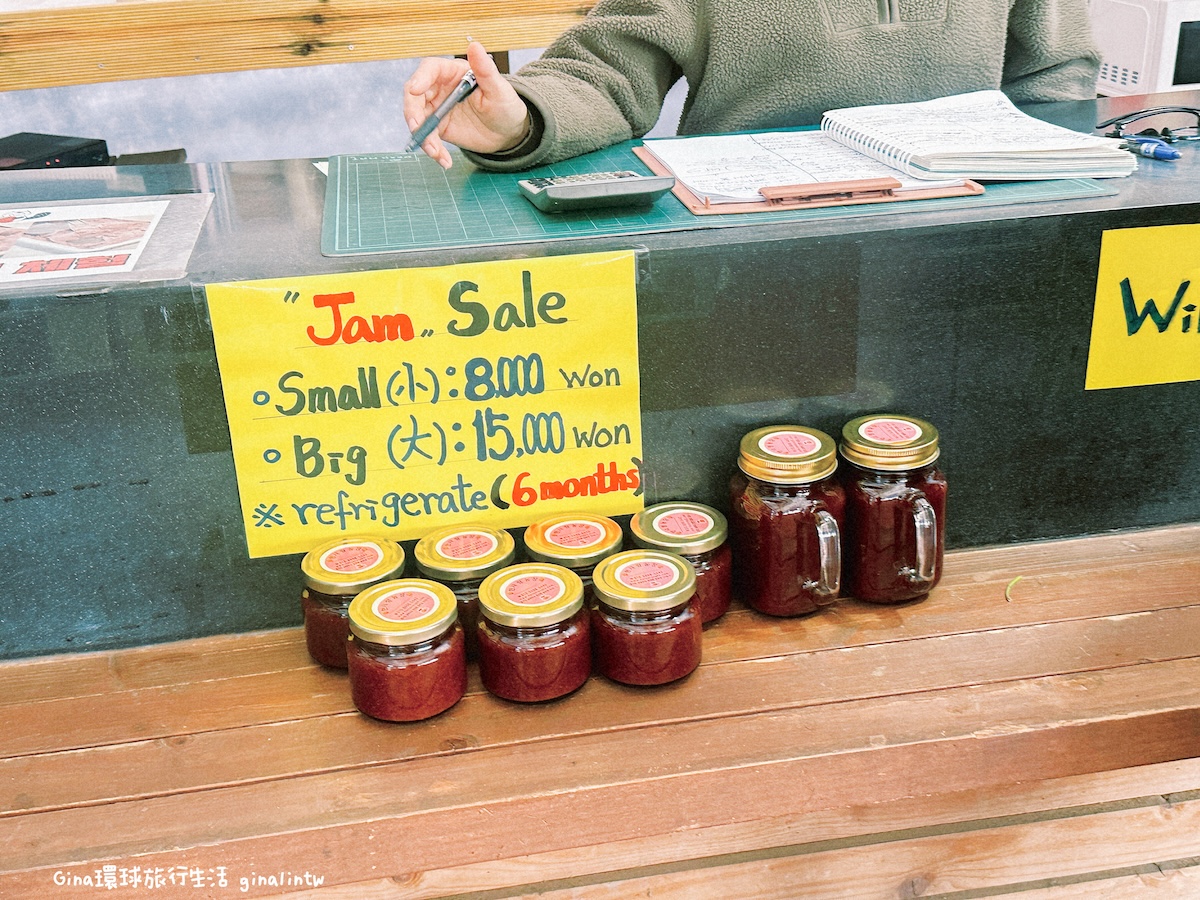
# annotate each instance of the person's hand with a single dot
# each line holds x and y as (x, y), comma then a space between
(491, 119)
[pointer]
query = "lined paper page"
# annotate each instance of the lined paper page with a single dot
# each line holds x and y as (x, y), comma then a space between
(731, 168)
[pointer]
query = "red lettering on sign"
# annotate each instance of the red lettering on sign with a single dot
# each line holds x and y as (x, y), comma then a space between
(396, 327)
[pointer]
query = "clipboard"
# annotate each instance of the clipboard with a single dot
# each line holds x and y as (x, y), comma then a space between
(810, 195)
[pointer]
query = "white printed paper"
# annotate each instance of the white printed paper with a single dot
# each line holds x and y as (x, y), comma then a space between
(38, 243)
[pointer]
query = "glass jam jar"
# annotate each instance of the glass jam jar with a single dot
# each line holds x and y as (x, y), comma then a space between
(334, 572)
(698, 534)
(534, 633)
(460, 557)
(896, 508)
(645, 627)
(575, 540)
(786, 519)
(407, 660)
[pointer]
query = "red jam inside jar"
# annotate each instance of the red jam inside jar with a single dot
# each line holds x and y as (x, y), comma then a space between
(333, 573)
(645, 628)
(534, 633)
(407, 659)
(577, 541)
(461, 557)
(697, 533)
(896, 513)
(787, 515)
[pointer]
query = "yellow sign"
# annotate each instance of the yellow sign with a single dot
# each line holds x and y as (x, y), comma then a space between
(395, 402)
(1145, 328)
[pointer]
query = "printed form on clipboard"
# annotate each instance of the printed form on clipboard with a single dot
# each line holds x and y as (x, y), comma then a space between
(753, 172)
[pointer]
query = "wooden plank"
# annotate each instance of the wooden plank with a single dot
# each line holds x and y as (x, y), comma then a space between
(188, 740)
(952, 608)
(179, 710)
(346, 851)
(976, 861)
(158, 665)
(1138, 570)
(1082, 553)
(1164, 884)
(874, 823)
(153, 38)
(501, 801)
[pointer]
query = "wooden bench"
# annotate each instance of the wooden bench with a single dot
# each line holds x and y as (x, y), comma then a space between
(91, 41)
(1035, 738)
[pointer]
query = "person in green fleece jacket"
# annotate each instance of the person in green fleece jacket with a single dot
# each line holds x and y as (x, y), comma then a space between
(749, 64)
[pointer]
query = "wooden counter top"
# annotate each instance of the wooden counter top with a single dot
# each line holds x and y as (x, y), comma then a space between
(1037, 738)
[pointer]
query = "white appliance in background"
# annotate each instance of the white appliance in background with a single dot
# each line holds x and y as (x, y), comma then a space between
(1147, 46)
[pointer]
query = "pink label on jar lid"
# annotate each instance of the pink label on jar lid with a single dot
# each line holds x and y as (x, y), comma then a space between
(793, 444)
(467, 545)
(407, 605)
(350, 558)
(575, 534)
(646, 575)
(532, 590)
(889, 431)
(684, 523)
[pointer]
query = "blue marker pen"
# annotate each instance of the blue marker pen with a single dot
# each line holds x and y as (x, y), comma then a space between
(1151, 147)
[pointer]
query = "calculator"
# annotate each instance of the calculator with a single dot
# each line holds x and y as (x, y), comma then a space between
(591, 190)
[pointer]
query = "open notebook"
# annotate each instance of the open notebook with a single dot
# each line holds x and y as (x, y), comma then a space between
(979, 135)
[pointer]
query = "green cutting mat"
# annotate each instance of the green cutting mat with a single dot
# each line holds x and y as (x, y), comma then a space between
(391, 202)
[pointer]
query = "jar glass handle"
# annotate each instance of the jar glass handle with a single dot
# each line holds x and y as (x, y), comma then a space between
(829, 543)
(925, 520)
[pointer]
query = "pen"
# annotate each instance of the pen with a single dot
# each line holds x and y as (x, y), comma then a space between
(1154, 148)
(426, 128)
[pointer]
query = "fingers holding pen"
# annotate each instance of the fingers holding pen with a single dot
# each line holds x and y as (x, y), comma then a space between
(492, 118)
(434, 80)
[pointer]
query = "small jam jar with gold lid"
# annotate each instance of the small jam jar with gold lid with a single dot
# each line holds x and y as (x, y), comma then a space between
(645, 628)
(534, 633)
(577, 541)
(896, 508)
(698, 534)
(460, 557)
(334, 572)
(407, 660)
(787, 514)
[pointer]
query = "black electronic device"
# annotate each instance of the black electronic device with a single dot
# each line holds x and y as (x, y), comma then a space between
(593, 190)
(29, 150)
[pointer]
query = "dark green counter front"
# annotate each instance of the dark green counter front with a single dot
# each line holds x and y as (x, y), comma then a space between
(118, 499)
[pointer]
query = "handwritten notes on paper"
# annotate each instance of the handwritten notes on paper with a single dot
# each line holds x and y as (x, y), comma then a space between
(731, 168)
(399, 401)
(980, 135)
(1146, 326)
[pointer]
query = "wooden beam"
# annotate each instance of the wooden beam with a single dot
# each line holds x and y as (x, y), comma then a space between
(118, 41)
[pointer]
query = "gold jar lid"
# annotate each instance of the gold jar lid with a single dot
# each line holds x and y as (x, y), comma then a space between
(889, 443)
(644, 581)
(463, 552)
(787, 454)
(574, 540)
(679, 527)
(531, 595)
(344, 566)
(403, 611)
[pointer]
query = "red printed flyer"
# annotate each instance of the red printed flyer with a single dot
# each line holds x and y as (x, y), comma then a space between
(38, 243)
